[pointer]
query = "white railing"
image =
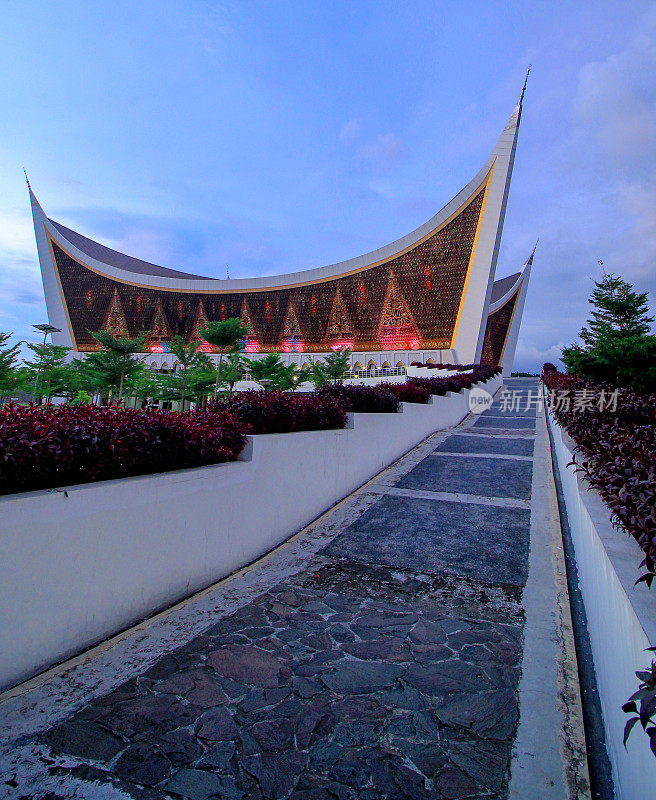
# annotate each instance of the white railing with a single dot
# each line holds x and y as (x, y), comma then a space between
(386, 372)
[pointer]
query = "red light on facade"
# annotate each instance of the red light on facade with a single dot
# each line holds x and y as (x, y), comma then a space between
(399, 341)
(267, 311)
(313, 305)
(427, 278)
(342, 344)
(89, 298)
(180, 314)
(156, 348)
(363, 296)
(252, 346)
(204, 347)
(223, 312)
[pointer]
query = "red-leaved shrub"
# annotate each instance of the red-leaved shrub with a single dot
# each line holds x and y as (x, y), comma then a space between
(46, 446)
(618, 450)
(407, 392)
(277, 412)
(456, 383)
(369, 399)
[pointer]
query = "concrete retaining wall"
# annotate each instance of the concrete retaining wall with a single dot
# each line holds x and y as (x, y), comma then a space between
(621, 618)
(82, 564)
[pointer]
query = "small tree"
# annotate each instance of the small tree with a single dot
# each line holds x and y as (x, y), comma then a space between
(267, 368)
(8, 365)
(292, 376)
(617, 344)
(225, 335)
(233, 370)
(144, 385)
(122, 351)
(336, 364)
(202, 377)
(187, 356)
(48, 371)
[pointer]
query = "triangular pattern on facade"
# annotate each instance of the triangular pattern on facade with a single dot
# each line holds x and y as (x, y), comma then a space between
(396, 321)
(200, 321)
(291, 328)
(115, 322)
(159, 327)
(247, 322)
(339, 324)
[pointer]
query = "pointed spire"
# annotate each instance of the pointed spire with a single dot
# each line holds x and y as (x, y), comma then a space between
(529, 260)
(227, 273)
(27, 179)
(521, 99)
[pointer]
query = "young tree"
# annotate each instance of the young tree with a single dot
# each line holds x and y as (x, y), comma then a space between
(617, 344)
(121, 351)
(48, 372)
(292, 376)
(225, 335)
(336, 364)
(267, 368)
(202, 377)
(187, 356)
(144, 385)
(233, 370)
(8, 365)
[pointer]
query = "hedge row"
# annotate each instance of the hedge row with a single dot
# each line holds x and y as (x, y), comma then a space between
(277, 412)
(46, 446)
(618, 449)
(456, 383)
(452, 367)
(370, 399)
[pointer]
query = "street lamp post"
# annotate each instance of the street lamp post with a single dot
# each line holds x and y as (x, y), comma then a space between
(45, 328)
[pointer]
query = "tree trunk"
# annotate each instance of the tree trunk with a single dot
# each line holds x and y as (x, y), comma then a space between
(120, 388)
(218, 374)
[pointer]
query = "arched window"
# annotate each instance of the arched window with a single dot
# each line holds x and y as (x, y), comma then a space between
(430, 361)
(357, 367)
(386, 365)
(400, 365)
(371, 366)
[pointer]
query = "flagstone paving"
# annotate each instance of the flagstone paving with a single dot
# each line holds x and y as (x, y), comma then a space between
(388, 667)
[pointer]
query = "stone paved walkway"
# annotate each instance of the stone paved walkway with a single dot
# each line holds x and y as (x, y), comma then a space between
(387, 667)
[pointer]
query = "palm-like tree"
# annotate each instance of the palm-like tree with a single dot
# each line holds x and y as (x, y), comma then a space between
(224, 335)
(122, 349)
(187, 356)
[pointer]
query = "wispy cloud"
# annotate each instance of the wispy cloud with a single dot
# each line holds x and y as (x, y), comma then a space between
(382, 153)
(350, 130)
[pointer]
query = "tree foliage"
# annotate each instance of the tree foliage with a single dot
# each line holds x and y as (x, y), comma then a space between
(8, 364)
(618, 347)
(48, 372)
(116, 359)
(225, 335)
(333, 367)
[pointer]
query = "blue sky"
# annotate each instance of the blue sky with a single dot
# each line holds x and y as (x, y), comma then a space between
(276, 136)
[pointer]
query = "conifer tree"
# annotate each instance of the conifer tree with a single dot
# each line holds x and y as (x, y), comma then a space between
(617, 347)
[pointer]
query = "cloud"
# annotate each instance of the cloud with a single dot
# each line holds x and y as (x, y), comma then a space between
(615, 106)
(382, 153)
(350, 130)
(529, 358)
(616, 98)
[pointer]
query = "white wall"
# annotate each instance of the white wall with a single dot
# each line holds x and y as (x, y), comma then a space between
(82, 564)
(621, 619)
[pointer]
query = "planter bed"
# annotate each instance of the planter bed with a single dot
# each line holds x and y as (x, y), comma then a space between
(621, 617)
(87, 561)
